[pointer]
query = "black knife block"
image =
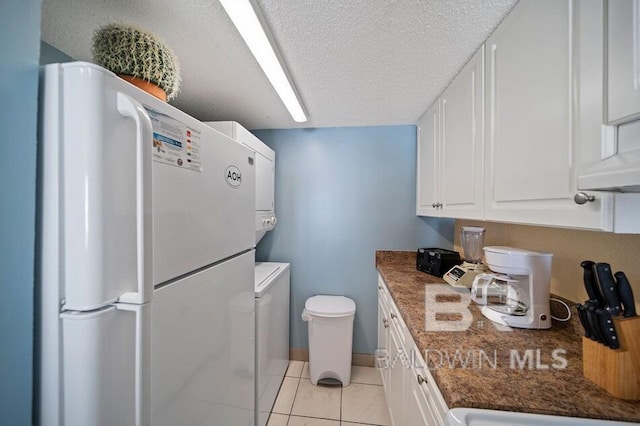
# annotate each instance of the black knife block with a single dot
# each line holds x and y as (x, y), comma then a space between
(616, 370)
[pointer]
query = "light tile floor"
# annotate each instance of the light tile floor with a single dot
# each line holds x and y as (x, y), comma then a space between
(299, 403)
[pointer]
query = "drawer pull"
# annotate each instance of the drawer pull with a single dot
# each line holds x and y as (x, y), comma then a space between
(385, 322)
(421, 380)
(393, 316)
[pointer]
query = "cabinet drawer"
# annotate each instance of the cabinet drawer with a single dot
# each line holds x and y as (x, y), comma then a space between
(394, 317)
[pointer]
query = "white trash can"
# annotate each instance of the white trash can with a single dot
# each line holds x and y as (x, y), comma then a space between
(330, 321)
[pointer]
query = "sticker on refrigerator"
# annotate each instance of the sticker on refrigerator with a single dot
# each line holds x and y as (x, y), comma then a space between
(174, 142)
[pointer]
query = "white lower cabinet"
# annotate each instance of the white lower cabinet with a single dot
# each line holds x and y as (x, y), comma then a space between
(419, 412)
(383, 337)
(395, 394)
(423, 403)
(412, 395)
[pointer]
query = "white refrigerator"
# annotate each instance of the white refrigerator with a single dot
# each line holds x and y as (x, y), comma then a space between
(145, 274)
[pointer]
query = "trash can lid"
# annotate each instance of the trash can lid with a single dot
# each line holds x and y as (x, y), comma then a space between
(330, 306)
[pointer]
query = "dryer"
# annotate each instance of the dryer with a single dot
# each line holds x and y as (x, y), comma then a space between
(265, 167)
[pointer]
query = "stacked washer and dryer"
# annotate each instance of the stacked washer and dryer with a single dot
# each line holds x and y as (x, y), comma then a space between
(272, 280)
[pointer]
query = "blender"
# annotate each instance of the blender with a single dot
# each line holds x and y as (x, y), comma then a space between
(472, 240)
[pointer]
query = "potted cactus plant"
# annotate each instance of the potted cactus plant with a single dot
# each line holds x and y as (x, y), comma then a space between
(139, 57)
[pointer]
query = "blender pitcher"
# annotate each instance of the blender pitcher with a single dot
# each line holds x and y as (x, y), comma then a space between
(472, 241)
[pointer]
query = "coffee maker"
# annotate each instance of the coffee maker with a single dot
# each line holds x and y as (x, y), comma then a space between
(517, 293)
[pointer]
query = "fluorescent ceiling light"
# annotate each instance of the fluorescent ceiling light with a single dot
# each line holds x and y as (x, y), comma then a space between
(246, 21)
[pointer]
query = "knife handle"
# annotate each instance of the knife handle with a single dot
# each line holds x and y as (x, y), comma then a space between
(590, 282)
(582, 315)
(593, 321)
(607, 328)
(604, 278)
(626, 294)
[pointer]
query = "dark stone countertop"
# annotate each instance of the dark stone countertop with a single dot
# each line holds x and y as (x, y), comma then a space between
(492, 378)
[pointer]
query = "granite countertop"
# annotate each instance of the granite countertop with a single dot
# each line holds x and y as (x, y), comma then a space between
(482, 374)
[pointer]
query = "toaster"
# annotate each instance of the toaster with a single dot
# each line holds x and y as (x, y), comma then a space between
(436, 261)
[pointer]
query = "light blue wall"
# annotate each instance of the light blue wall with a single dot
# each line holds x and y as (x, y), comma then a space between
(19, 44)
(342, 194)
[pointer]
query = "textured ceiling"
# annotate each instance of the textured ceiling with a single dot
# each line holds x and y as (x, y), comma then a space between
(353, 62)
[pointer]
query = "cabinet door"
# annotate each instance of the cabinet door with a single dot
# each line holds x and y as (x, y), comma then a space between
(418, 411)
(428, 164)
(461, 141)
(397, 357)
(531, 158)
(382, 353)
(623, 60)
(418, 408)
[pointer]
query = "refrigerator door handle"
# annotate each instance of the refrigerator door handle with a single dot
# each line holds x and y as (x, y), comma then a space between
(129, 107)
(142, 361)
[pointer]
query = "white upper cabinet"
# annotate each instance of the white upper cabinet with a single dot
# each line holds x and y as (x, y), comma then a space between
(427, 179)
(619, 165)
(557, 109)
(623, 60)
(531, 156)
(450, 148)
(461, 139)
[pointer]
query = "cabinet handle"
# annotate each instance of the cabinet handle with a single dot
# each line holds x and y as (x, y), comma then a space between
(379, 287)
(385, 322)
(393, 316)
(421, 380)
(583, 198)
(434, 205)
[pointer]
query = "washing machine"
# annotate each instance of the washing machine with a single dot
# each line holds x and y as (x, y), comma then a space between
(272, 334)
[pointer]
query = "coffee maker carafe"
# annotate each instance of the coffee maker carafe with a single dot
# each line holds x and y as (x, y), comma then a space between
(517, 293)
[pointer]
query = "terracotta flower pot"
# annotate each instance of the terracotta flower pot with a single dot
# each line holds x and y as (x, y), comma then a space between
(145, 85)
(139, 57)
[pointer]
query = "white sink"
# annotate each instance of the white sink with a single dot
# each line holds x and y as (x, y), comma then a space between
(479, 417)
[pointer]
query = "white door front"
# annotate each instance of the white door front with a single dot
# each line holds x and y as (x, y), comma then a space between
(202, 365)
